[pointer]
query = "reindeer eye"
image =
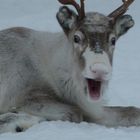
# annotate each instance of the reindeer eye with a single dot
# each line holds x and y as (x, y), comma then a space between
(77, 39)
(113, 41)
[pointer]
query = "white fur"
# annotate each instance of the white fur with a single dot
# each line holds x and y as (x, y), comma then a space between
(96, 63)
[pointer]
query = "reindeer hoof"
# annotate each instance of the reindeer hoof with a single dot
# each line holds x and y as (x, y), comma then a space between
(13, 122)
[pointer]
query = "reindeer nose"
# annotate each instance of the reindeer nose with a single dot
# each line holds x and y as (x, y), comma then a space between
(99, 71)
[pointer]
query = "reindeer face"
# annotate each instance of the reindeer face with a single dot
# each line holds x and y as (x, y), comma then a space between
(96, 47)
(93, 38)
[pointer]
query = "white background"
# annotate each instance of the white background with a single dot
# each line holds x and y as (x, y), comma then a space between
(124, 87)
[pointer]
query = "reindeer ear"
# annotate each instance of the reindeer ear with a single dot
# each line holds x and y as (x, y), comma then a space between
(66, 18)
(123, 24)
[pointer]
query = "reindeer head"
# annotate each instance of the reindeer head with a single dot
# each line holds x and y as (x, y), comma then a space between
(93, 37)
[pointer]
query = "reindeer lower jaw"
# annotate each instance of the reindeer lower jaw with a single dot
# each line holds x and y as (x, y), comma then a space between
(94, 88)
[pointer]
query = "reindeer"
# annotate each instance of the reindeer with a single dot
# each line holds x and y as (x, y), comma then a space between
(62, 76)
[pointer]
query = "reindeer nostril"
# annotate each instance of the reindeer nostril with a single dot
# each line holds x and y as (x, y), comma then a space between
(94, 71)
(107, 72)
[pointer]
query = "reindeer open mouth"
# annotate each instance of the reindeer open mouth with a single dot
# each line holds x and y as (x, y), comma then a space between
(94, 88)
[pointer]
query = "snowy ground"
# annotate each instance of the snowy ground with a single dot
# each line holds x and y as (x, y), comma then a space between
(125, 84)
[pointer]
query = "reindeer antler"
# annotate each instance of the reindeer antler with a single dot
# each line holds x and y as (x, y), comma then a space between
(121, 10)
(80, 9)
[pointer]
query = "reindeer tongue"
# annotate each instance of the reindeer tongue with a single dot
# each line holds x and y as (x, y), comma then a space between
(94, 88)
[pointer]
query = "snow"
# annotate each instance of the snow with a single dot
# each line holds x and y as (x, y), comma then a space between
(70, 131)
(124, 87)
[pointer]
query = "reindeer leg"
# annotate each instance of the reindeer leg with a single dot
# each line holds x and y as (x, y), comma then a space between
(119, 116)
(53, 110)
(35, 112)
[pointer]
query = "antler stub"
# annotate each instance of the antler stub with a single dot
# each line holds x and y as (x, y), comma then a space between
(121, 10)
(80, 9)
